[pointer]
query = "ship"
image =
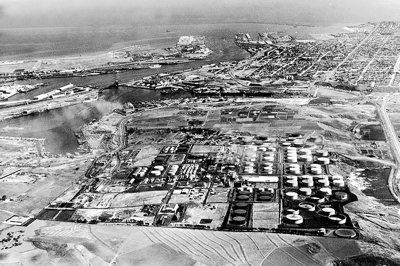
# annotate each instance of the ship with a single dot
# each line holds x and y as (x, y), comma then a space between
(155, 66)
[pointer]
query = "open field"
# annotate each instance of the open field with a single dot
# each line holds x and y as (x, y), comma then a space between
(80, 244)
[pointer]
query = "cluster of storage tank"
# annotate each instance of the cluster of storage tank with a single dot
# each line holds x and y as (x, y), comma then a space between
(140, 171)
(293, 215)
(268, 157)
(250, 159)
(323, 157)
(244, 194)
(322, 181)
(294, 169)
(157, 170)
(251, 155)
(295, 153)
(239, 213)
(265, 194)
(170, 149)
(189, 170)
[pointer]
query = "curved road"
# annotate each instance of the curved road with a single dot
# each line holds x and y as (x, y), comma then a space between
(392, 138)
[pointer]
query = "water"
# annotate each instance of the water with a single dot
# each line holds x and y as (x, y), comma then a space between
(58, 126)
(33, 43)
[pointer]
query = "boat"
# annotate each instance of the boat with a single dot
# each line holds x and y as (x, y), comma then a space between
(155, 66)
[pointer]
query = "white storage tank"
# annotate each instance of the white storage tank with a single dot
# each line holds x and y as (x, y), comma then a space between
(292, 195)
(338, 183)
(327, 211)
(268, 158)
(326, 191)
(294, 219)
(305, 191)
(156, 172)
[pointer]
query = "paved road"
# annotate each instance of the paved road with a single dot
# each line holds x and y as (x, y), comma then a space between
(392, 138)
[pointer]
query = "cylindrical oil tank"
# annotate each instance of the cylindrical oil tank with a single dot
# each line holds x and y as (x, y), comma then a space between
(317, 198)
(327, 211)
(268, 158)
(305, 151)
(305, 158)
(264, 198)
(242, 197)
(308, 206)
(239, 212)
(267, 164)
(269, 153)
(306, 191)
(338, 183)
(337, 177)
(249, 163)
(345, 233)
(238, 220)
(307, 183)
(316, 171)
(268, 171)
(294, 219)
(265, 193)
(323, 182)
(298, 144)
(243, 192)
(322, 153)
(341, 195)
(323, 160)
(156, 172)
(292, 195)
(240, 205)
(292, 211)
(159, 167)
(292, 183)
(338, 218)
(325, 191)
(292, 177)
(294, 170)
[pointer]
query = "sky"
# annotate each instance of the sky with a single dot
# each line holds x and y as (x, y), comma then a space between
(79, 13)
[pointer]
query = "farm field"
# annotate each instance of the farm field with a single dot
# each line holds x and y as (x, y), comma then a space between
(101, 244)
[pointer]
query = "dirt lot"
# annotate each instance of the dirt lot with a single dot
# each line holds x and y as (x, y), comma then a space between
(138, 199)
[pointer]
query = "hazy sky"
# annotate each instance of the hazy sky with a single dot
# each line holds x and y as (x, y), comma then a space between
(64, 13)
